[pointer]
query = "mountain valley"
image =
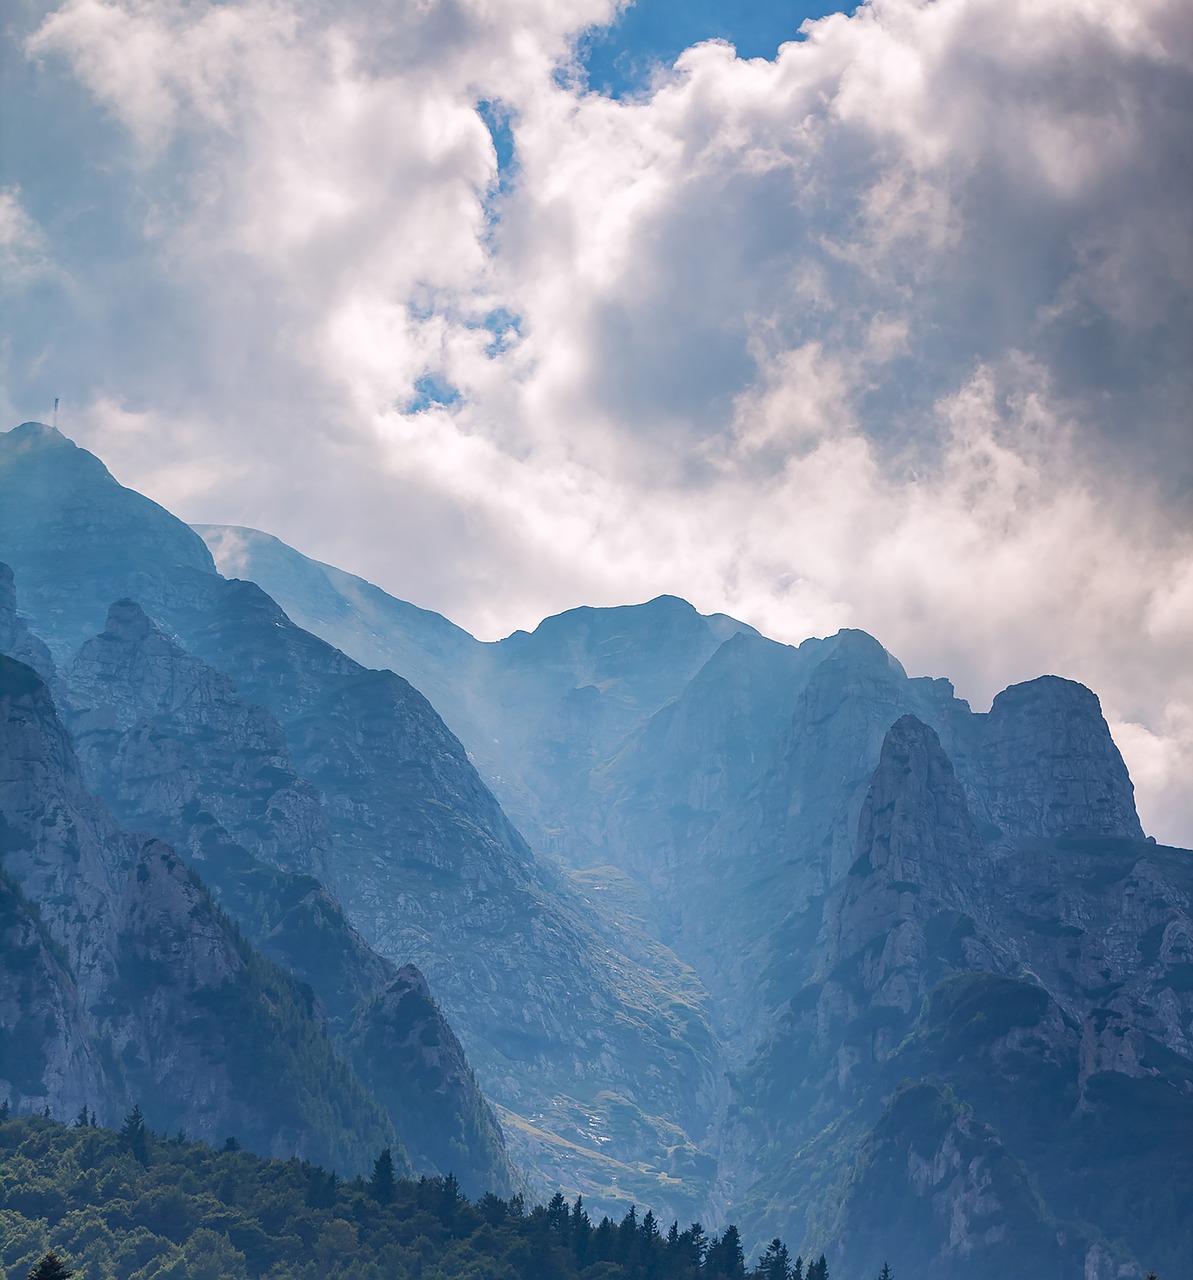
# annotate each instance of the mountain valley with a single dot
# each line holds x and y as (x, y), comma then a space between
(642, 905)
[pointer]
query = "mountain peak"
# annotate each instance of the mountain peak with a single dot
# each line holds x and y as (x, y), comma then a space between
(915, 805)
(611, 618)
(77, 539)
(126, 617)
(1052, 765)
(1049, 691)
(860, 647)
(34, 433)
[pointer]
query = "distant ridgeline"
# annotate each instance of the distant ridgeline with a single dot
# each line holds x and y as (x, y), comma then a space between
(729, 928)
(132, 1204)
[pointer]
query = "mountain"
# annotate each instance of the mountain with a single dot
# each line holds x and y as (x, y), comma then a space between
(539, 711)
(947, 970)
(131, 986)
(724, 926)
(190, 674)
(988, 1055)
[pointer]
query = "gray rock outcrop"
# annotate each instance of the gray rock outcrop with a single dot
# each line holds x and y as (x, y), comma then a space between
(1047, 765)
(162, 733)
(141, 988)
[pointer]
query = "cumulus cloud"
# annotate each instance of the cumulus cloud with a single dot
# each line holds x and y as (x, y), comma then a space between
(891, 330)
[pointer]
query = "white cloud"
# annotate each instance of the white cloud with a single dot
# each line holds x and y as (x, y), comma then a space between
(890, 331)
(21, 242)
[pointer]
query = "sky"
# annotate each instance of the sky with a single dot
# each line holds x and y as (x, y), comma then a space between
(881, 318)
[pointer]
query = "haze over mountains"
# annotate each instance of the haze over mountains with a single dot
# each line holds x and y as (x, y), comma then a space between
(724, 927)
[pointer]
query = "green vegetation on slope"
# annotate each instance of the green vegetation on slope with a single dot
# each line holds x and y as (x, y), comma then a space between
(136, 1206)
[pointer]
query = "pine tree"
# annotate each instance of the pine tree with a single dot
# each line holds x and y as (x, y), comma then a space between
(581, 1229)
(453, 1197)
(135, 1136)
(627, 1237)
(51, 1267)
(725, 1258)
(557, 1212)
(4, 1110)
(818, 1270)
(885, 1273)
(697, 1244)
(775, 1263)
(383, 1184)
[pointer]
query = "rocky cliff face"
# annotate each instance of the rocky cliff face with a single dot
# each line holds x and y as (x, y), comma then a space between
(946, 1187)
(146, 992)
(1046, 765)
(904, 917)
(403, 1045)
(1024, 978)
(427, 866)
(16, 639)
(793, 834)
(46, 1051)
(168, 742)
(911, 885)
(162, 732)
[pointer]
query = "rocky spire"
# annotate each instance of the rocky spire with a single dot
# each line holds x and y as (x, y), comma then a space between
(1049, 767)
(914, 816)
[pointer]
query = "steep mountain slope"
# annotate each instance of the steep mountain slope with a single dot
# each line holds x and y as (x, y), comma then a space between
(166, 740)
(153, 718)
(540, 712)
(145, 990)
(1022, 981)
(427, 866)
(78, 541)
(877, 884)
(357, 617)
(401, 1044)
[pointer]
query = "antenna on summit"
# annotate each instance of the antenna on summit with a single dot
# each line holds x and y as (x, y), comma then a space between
(55, 413)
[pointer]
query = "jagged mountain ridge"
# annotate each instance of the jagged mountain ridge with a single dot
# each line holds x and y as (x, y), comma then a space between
(426, 864)
(722, 808)
(996, 974)
(736, 806)
(538, 711)
(759, 760)
(169, 744)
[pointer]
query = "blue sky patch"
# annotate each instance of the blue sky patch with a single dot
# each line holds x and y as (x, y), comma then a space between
(431, 390)
(506, 328)
(619, 60)
(497, 120)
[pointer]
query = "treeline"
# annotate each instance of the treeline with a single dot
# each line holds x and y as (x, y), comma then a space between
(134, 1205)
